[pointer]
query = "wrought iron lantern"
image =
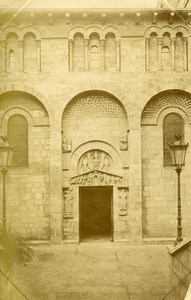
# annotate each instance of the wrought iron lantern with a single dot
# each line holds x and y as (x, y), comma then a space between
(6, 152)
(178, 150)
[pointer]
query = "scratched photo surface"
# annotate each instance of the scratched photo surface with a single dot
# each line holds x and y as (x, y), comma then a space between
(95, 127)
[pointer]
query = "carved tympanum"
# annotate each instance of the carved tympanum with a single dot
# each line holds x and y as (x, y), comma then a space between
(94, 160)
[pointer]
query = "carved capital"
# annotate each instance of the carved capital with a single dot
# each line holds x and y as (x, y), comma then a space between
(20, 43)
(71, 42)
(159, 41)
(102, 43)
(86, 42)
(147, 41)
(172, 40)
(184, 40)
(3, 44)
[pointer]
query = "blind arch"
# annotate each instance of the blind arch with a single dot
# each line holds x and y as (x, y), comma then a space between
(18, 138)
(173, 124)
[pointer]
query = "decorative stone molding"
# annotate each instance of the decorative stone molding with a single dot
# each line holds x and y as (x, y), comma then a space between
(13, 111)
(26, 103)
(94, 104)
(96, 177)
(86, 31)
(163, 100)
(68, 203)
(94, 159)
(123, 198)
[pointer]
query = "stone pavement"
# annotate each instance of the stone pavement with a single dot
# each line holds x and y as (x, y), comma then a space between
(100, 271)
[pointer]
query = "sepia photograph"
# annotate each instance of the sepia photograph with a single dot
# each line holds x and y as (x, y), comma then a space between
(95, 150)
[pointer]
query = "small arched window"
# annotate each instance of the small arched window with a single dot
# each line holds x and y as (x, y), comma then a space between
(11, 60)
(166, 58)
(173, 124)
(78, 52)
(94, 58)
(18, 138)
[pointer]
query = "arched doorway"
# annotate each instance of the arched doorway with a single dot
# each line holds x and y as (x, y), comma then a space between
(95, 148)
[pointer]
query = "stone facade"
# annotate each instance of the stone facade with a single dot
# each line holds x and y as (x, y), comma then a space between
(95, 88)
(180, 271)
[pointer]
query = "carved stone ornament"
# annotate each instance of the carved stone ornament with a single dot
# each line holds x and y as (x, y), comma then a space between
(124, 142)
(68, 203)
(96, 177)
(123, 196)
(66, 145)
(94, 160)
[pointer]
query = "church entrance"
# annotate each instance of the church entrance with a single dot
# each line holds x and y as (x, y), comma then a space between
(96, 213)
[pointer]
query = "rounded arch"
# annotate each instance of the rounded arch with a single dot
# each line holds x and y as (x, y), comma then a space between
(94, 94)
(151, 29)
(168, 110)
(27, 102)
(94, 35)
(183, 30)
(98, 145)
(166, 99)
(167, 29)
(94, 29)
(29, 90)
(16, 110)
(112, 29)
(11, 29)
(74, 30)
(31, 29)
(78, 34)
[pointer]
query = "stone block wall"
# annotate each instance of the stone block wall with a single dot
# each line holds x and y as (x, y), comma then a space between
(180, 270)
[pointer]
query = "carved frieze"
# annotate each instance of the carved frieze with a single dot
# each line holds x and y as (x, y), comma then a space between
(123, 198)
(96, 177)
(68, 203)
(66, 145)
(94, 160)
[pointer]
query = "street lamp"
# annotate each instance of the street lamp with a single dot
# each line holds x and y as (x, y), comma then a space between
(178, 150)
(6, 152)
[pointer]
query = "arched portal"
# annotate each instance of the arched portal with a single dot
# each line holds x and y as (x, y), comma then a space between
(95, 148)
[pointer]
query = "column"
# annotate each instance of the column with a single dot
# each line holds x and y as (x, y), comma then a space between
(38, 56)
(70, 55)
(185, 54)
(86, 44)
(172, 42)
(55, 177)
(21, 55)
(118, 55)
(102, 47)
(159, 41)
(3, 43)
(147, 54)
(135, 184)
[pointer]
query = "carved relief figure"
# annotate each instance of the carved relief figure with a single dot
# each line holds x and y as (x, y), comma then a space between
(123, 196)
(66, 145)
(124, 142)
(68, 203)
(96, 178)
(94, 160)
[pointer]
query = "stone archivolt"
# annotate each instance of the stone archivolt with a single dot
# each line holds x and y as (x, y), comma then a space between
(166, 99)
